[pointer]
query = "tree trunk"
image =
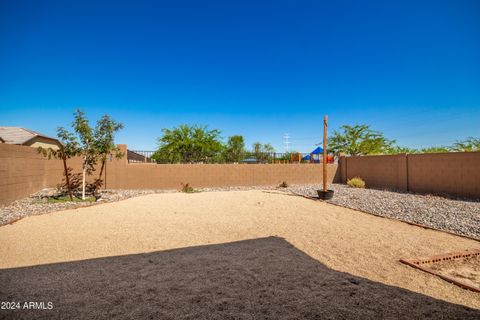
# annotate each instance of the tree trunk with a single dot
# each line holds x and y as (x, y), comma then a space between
(101, 168)
(83, 180)
(105, 175)
(67, 178)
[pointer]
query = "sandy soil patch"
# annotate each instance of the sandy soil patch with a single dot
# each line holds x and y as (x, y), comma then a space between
(338, 241)
(460, 216)
(464, 270)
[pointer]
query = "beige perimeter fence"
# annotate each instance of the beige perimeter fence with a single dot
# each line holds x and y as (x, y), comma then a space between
(454, 173)
(23, 171)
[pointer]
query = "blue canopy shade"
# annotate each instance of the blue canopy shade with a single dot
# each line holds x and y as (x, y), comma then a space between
(318, 151)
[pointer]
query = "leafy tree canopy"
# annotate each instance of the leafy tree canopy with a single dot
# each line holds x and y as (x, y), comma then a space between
(395, 149)
(434, 149)
(104, 135)
(86, 139)
(234, 150)
(358, 140)
(188, 144)
(69, 147)
(468, 145)
(262, 152)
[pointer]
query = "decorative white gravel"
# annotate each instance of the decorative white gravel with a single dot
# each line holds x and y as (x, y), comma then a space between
(460, 216)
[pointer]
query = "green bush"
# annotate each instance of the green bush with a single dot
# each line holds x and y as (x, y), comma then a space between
(356, 182)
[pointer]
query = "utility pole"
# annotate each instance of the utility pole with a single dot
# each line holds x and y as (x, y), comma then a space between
(286, 142)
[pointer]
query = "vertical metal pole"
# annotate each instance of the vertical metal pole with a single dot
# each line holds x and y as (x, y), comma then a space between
(325, 125)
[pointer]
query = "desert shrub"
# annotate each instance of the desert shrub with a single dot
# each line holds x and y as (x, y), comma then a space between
(284, 184)
(187, 188)
(356, 182)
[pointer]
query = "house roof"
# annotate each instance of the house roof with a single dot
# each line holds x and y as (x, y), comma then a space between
(18, 135)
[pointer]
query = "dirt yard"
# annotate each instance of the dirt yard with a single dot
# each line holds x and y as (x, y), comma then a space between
(238, 254)
(464, 270)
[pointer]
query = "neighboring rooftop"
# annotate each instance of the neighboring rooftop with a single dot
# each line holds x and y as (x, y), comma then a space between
(20, 136)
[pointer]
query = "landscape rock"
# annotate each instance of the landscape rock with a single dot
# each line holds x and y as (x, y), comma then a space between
(460, 216)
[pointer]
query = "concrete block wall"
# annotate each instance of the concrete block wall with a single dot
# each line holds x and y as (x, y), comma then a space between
(388, 171)
(454, 173)
(23, 171)
(171, 176)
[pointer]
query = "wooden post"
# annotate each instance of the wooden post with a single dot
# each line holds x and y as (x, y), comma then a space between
(325, 125)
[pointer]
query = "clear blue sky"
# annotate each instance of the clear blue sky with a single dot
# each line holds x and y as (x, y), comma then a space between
(258, 68)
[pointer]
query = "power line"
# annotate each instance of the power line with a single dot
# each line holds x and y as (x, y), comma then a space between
(286, 142)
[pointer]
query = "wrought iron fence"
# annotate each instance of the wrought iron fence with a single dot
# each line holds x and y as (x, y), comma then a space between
(249, 157)
(140, 156)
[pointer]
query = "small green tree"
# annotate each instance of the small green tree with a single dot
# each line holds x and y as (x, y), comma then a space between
(234, 150)
(69, 148)
(87, 144)
(188, 144)
(358, 140)
(262, 152)
(469, 145)
(104, 137)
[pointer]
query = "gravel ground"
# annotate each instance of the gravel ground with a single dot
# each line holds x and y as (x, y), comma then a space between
(455, 215)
